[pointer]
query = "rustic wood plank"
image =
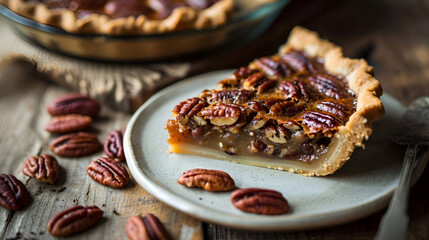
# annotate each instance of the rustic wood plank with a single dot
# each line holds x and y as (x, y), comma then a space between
(25, 96)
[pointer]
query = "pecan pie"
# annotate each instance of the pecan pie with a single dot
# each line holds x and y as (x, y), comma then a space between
(124, 16)
(302, 110)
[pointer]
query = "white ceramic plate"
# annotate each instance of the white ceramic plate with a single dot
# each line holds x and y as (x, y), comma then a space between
(361, 187)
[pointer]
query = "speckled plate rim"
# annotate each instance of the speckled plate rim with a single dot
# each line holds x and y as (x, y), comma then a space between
(291, 222)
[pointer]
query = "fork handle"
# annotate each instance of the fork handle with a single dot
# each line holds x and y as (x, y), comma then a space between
(394, 224)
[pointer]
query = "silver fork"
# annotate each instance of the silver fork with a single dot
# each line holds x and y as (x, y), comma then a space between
(414, 131)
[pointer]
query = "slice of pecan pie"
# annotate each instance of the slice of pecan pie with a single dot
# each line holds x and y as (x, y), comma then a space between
(124, 16)
(302, 110)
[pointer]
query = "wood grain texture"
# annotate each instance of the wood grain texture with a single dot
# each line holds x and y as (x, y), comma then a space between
(24, 97)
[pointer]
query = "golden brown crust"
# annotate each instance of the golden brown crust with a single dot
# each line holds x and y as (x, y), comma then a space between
(357, 72)
(181, 18)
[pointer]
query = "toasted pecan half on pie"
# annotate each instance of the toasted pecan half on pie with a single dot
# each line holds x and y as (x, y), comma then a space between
(303, 110)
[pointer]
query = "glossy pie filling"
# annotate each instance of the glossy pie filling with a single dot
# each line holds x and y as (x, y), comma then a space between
(285, 107)
(153, 9)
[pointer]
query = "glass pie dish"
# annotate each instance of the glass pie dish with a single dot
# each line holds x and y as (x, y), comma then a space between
(245, 24)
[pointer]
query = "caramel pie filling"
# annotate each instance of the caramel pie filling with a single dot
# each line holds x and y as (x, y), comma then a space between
(284, 107)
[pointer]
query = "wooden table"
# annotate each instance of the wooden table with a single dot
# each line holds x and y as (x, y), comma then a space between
(392, 35)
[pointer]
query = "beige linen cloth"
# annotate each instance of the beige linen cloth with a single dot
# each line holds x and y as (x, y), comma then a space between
(121, 86)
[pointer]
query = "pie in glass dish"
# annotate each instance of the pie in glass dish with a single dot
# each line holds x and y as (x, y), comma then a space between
(303, 110)
(119, 17)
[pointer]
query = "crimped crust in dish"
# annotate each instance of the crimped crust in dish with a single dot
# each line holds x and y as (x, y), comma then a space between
(315, 106)
(180, 18)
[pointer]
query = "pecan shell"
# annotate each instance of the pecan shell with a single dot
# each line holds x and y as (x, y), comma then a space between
(209, 180)
(13, 193)
(108, 172)
(74, 104)
(113, 146)
(75, 145)
(73, 220)
(44, 168)
(145, 228)
(69, 123)
(259, 201)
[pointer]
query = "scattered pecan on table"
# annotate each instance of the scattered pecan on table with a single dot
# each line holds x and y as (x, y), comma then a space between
(44, 168)
(75, 145)
(73, 220)
(145, 228)
(74, 104)
(108, 172)
(69, 123)
(13, 193)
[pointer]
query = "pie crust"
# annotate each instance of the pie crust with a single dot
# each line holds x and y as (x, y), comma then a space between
(181, 18)
(342, 139)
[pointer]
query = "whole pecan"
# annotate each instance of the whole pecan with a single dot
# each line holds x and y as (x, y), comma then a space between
(145, 228)
(254, 81)
(75, 145)
(74, 104)
(69, 123)
(108, 172)
(272, 67)
(334, 108)
(328, 85)
(209, 180)
(113, 146)
(266, 85)
(260, 201)
(319, 122)
(222, 114)
(73, 220)
(13, 193)
(243, 72)
(298, 62)
(295, 89)
(187, 109)
(44, 168)
(286, 108)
